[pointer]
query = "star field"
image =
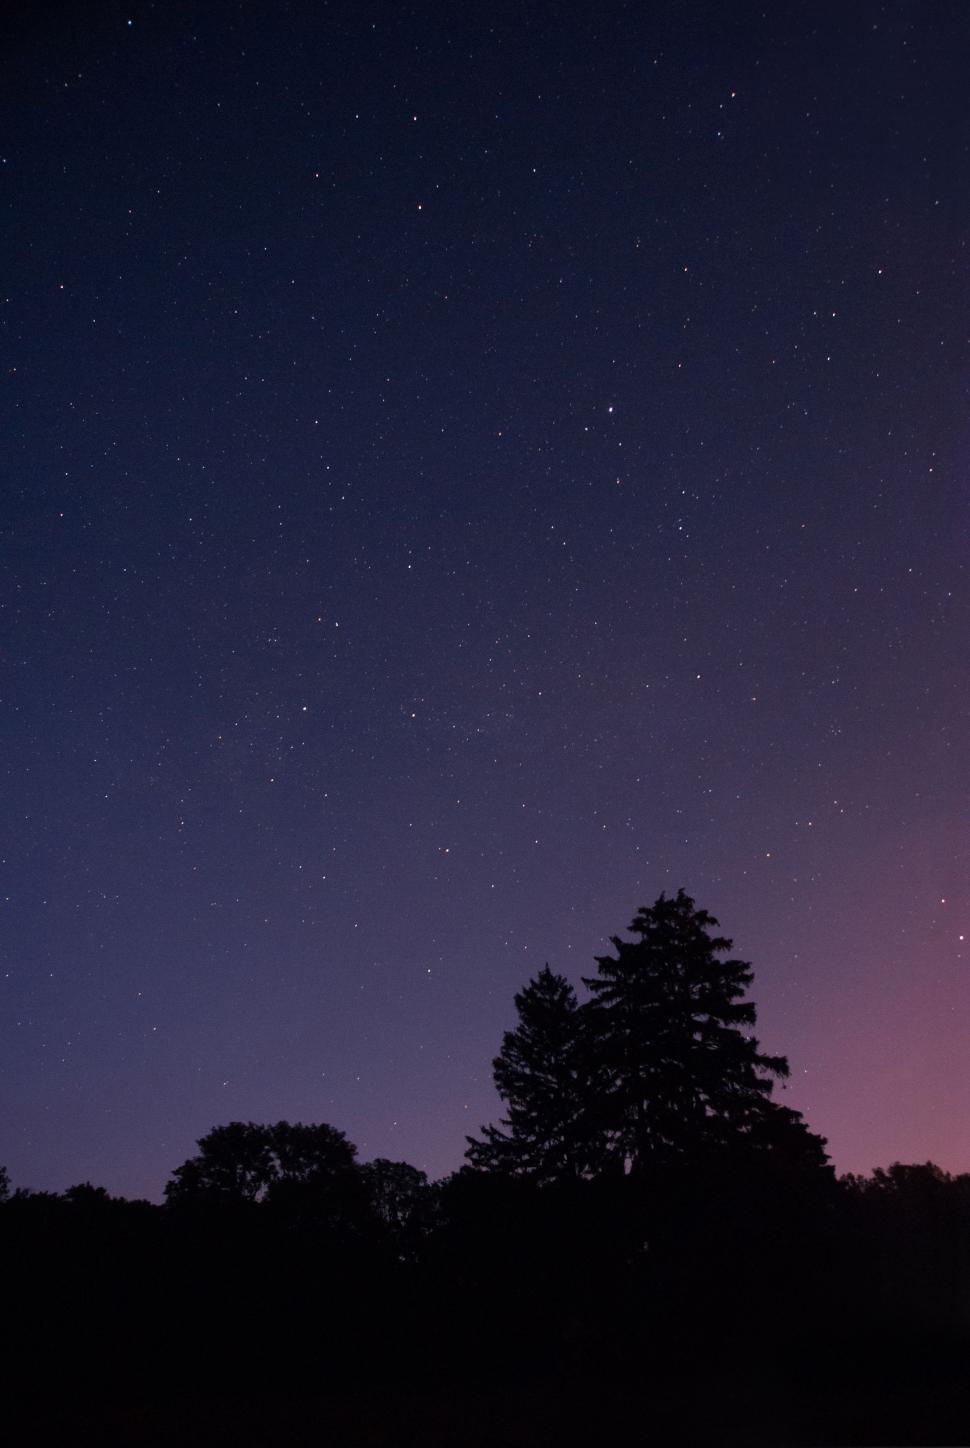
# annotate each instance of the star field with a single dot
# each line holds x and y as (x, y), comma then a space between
(466, 473)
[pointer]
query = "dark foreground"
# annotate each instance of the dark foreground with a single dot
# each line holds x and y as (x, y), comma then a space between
(551, 1414)
(687, 1310)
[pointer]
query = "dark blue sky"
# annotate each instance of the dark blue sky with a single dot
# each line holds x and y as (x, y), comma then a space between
(465, 472)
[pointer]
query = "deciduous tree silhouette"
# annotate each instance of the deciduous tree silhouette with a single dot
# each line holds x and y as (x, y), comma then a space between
(234, 1164)
(245, 1162)
(308, 1153)
(397, 1191)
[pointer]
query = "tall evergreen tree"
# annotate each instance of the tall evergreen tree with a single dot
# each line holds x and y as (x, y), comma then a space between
(543, 1074)
(672, 1028)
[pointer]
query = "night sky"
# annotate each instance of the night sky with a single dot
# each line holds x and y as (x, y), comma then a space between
(465, 470)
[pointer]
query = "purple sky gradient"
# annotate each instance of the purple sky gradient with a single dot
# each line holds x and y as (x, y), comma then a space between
(466, 473)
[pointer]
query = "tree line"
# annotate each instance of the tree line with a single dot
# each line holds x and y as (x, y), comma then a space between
(645, 1237)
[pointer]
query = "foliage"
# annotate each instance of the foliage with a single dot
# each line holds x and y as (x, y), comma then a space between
(243, 1162)
(661, 1063)
(673, 1031)
(396, 1190)
(545, 1075)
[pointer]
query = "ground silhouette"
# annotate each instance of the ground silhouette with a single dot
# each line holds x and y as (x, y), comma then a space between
(648, 1248)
